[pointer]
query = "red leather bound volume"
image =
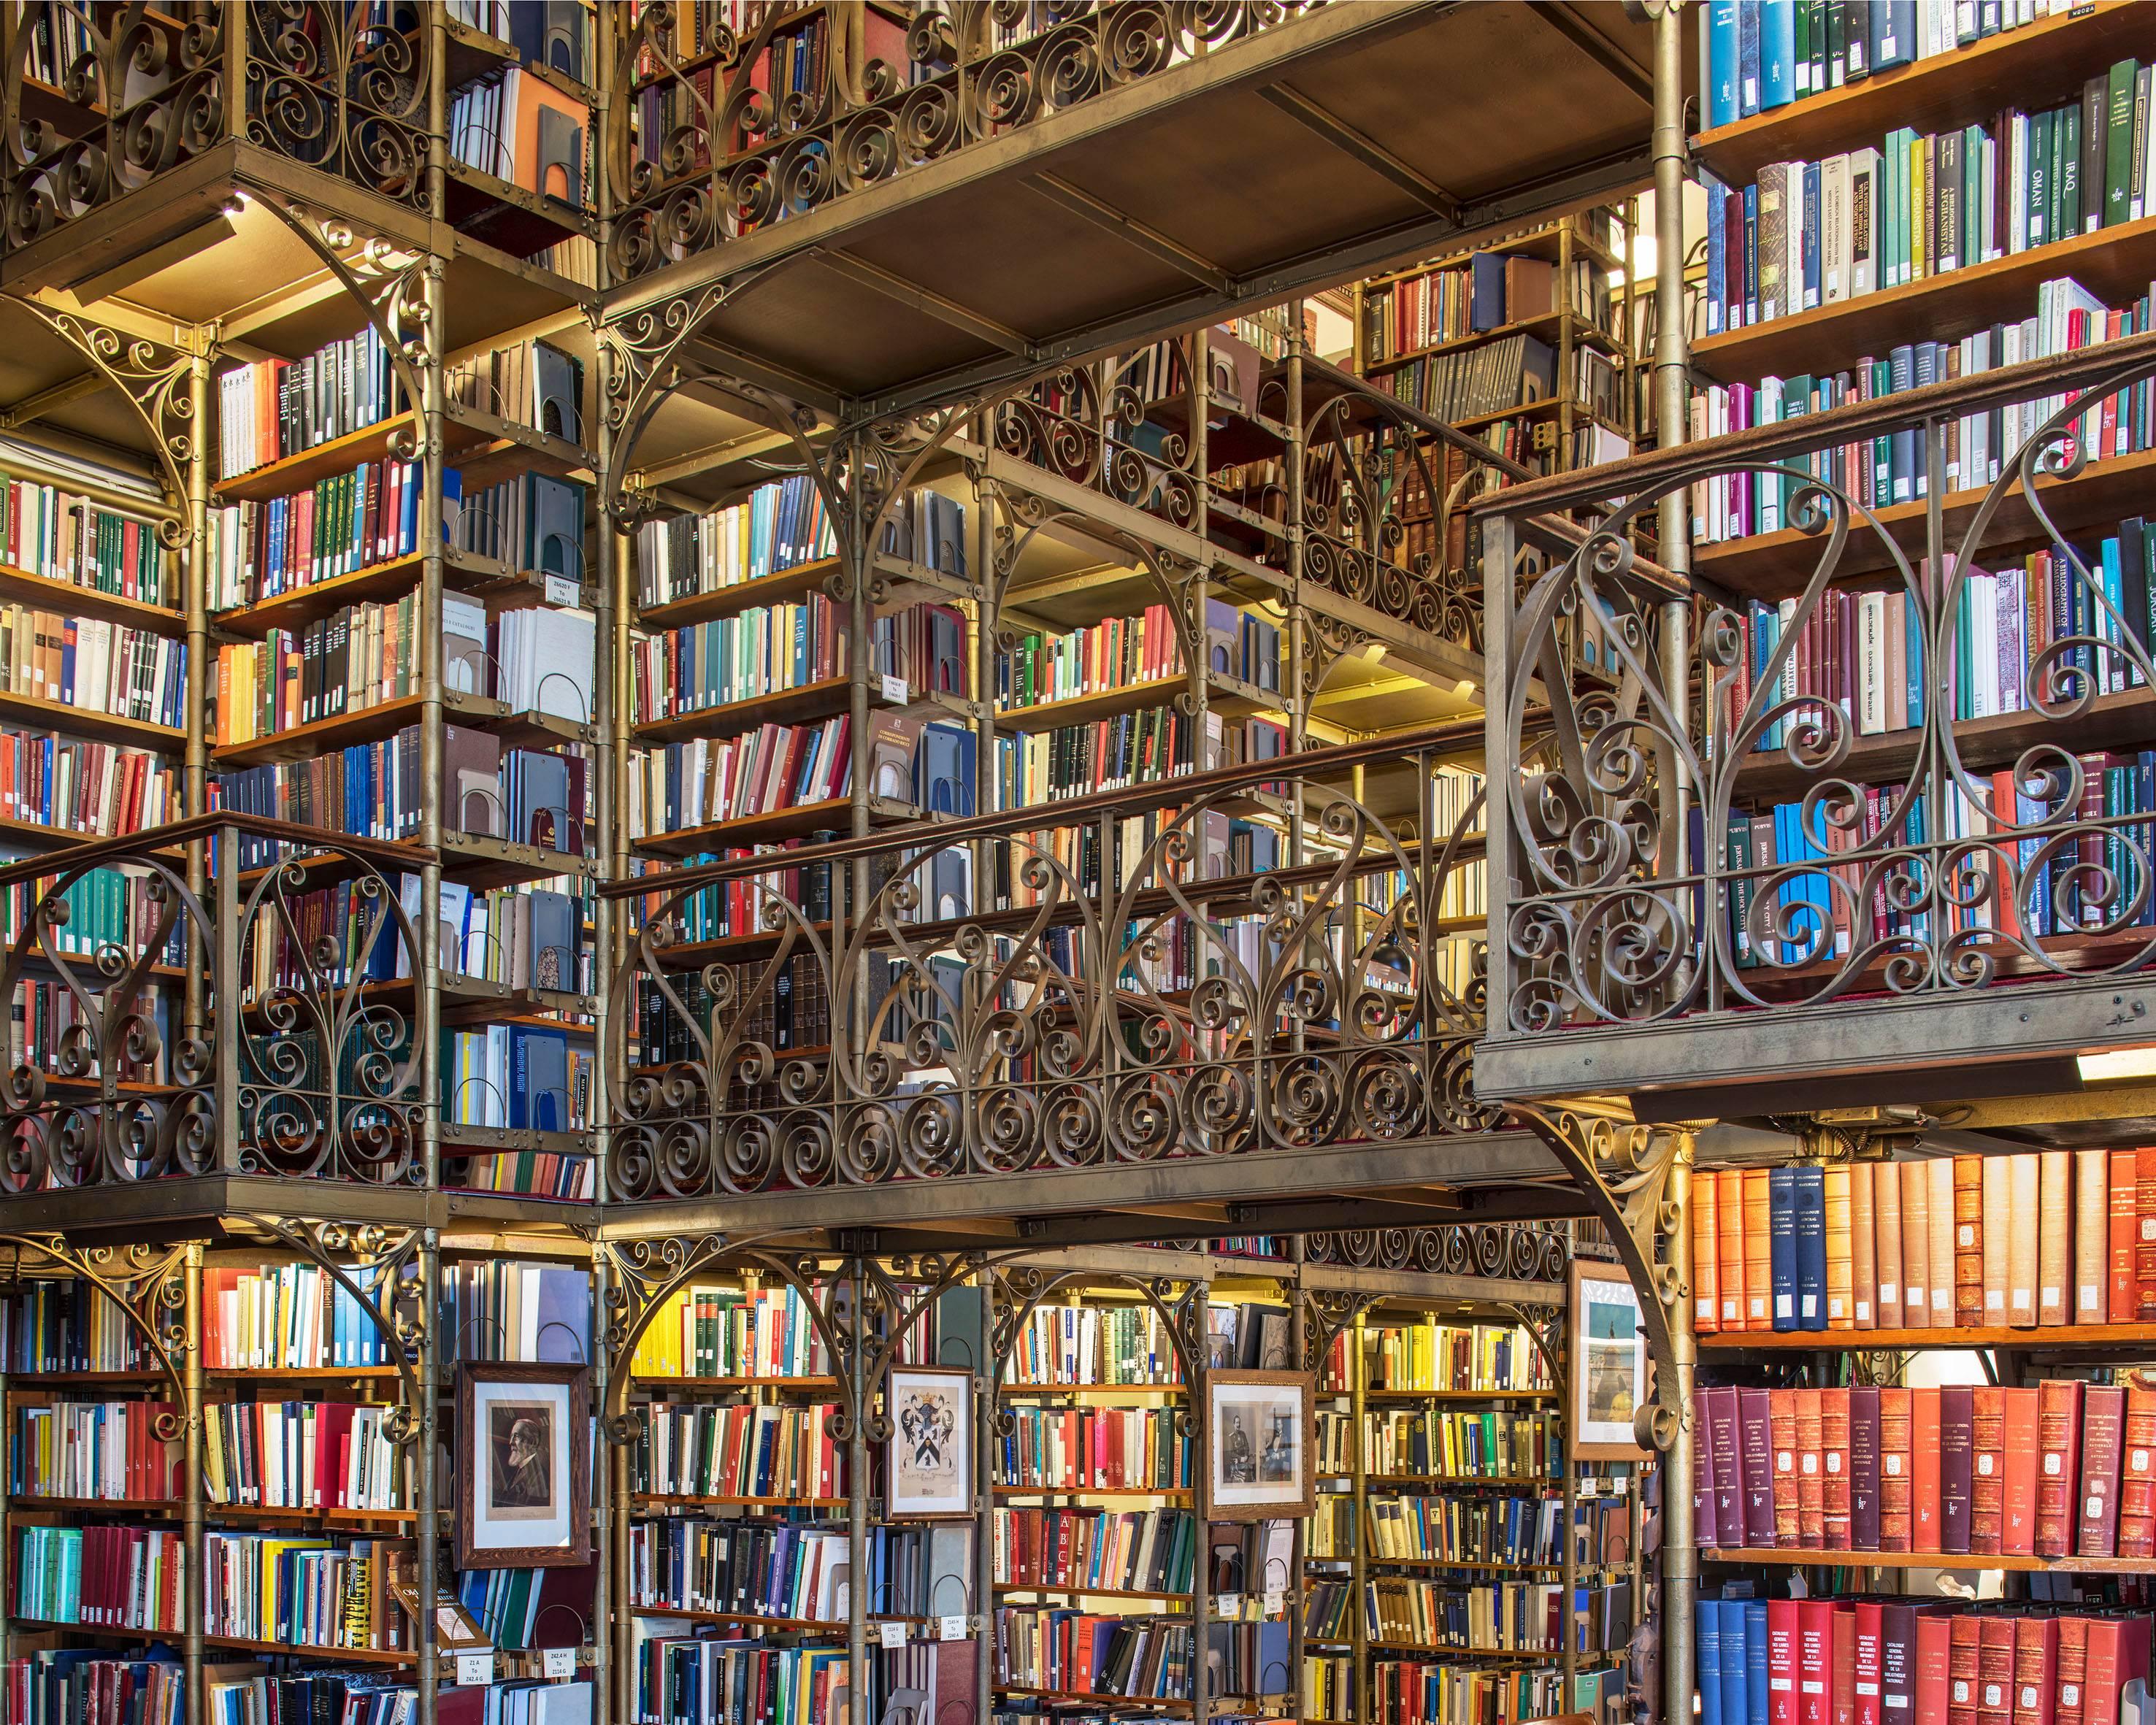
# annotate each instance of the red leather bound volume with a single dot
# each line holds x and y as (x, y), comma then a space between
(1720, 1406)
(2144, 1236)
(2124, 1302)
(1864, 1446)
(2019, 1536)
(1782, 1661)
(1994, 1670)
(1897, 1475)
(2058, 1463)
(1782, 1423)
(2103, 1431)
(1811, 1472)
(1756, 1440)
(2036, 1669)
(2072, 1669)
(1706, 1243)
(1706, 1529)
(1871, 1628)
(1814, 1661)
(2137, 1475)
(1842, 1662)
(1833, 1467)
(1729, 1215)
(1987, 1497)
(1924, 1470)
(1957, 1466)
(1962, 1677)
(1934, 1634)
(2118, 1655)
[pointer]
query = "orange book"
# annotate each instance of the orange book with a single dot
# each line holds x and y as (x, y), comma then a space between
(1811, 1473)
(1887, 1254)
(2123, 1301)
(2144, 1243)
(1862, 1248)
(1896, 1473)
(2025, 1197)
(1781, 1428)
(1924, 1469)
(1840, 1273)
(2054, 1225)
(1729, 1219)
(1706, 1241)
(2137, 1475)
(1968, 1241)
(1916, 1243)
(1987, 1491)
(1940, 1210)
(2092, 1200)
(2059, 1463)
(1759, 1262)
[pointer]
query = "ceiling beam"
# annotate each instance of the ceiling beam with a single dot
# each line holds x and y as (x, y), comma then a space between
(1366, 150)
(728, 363)
(893, 286)
(1130, 231)
(49, 399)
(1598, 48)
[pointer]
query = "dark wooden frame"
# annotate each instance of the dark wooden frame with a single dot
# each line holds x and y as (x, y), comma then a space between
(1286, 1508)
(575, 1379)
(1577, 1448)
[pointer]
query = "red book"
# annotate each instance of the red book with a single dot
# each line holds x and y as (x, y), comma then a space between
(1869, 1627)
(1782, 1661)
(2144, 1237)
(1842, 1663)
(2073, 1671)
(1924, 1470)
(2019, 1536)
(1814, 1661)
(2118, 1655)
(2058, 1464)
(1987, 1497)
(2036, 1669)
(1864, 1468)
(1782, 1423)
(1994, 1670)
(2124, 1301)
(2137, 1475)
(1933, 1638)
(1896, 1473)
(1833, 1467)
(1962, 1673)
(2103, 1425)
(1811, 1472)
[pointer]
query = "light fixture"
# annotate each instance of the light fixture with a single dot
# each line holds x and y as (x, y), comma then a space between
(1465, 688)
(2117, 1063)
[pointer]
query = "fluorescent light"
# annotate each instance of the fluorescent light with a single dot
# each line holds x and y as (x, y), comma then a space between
(2117, 1063)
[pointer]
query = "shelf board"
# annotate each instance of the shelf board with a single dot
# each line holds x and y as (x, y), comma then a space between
(1173, 1494)
(36, 837)
(1507, 1653)
(662, 1498)
(1775, 566)
(773, 825)
(1123, 1701)
(808, 703)
(386, 718)
(1226, 694)
(503, 214)
(1450, 1481)
(299, 606)
(2073, 1336)
(25, 1503)
(2113, 263)
(781, 587)
(1453, 1395)
(1064, 1590)
(22, 587)
(81, 721)
(818, 1384)
(1469, 1563)
(362, 1655)
(2028, 67)
(1931, 1560)
(463, 1140)
(807, 1624)
(1103, 1391)
(482, 446)
(1586, 333)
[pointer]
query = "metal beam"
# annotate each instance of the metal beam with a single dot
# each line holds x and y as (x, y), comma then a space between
(1315, 117)
(727, 362)
(893, 286)
(688, 466)
(1130, 230)
(1598, 48)
(49, 399)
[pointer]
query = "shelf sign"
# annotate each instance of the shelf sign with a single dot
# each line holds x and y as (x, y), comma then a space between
(559, 1661)
(890, 1635)
(562, 590)
(894, 691)
(951, 1628)
(476, 1670)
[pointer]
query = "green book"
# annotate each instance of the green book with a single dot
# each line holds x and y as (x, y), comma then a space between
(1741, 888)
(2118, 144)
(2066, 141)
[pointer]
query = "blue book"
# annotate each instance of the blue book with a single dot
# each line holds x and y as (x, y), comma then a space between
(1810, 1182)
(1717, 250)
(1893, 33)
(2114, 594)
(1734, 1697)
(1748, 58)
(1725, 65)
(1778, 53)
(1782, 1242)
(1809, 205)
(1708, 1653)
(1913, 667)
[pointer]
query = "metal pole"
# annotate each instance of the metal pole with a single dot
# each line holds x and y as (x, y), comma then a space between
(857, 1458)
(1672, 384)
(1358, 1467)
(986, 1378)
(605, 1530)
(429, 1557)
(1680, 1542)
(427, 1026)
(195, 575)
(191, 1472)
(1298, 1529)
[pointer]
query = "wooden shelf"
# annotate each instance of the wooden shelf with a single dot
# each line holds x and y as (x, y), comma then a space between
(2113, 263)
(23, 587)
(1452, 1395)
(1508, 1653)
(1173, 1494)
(1103, 1391)
(1064, 1590)
(2073, 1336)
(1776, 565)
(810, 1623)
(82, 722)
(1226, 694)
(1469, 1563)
(2028, 68)
(662, 1498)
(361, 1656)
(337, 1517)
(816, 1383)
(1527, 1481)
(1585, 333)
(808, 703)
(1932, 1560)
(391, 579)
(781, 587)
(774, 825)
(386, 718)
(482, 446)
(1124, 1700)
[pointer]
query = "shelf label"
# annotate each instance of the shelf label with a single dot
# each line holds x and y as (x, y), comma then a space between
(951, 1628)
(562, 590)
(558, 1661)
(894, 691)
(890, 1635)
(476, 1670)
(1276, 1602)
(1226, 1605)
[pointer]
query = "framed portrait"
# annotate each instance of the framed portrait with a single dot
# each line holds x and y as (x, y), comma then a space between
(523, 1466)
(1607, 1364)
(928, 1462)
(1257, 1444)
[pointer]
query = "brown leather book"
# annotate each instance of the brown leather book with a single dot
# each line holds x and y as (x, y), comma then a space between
(1811, 1471)
(1916, 1244)
(1759, 1259)
(1863, 1249)
(2055, 1233)
(2058, 1463)
(1865, 1442)
(2072, 1667)
(1729, 1220)
(1924, 1467)
(2144, 1238)
(2025, 1196)
(2103, 1433)
(2137, 1475)
(1834, 1468)
(1940, 1210)
(2092, 1203)
(2036, 1670)
(2019, 1452)
(1886, 1249)
(1840, 1271)
(1968, 1241)
(1994, 1670)
(1987, 1494)
(1995, 1233)
(1896, 1473)
(1706, 1242)
(1963, 1676)
(2124, 1299)
(1782, 1423)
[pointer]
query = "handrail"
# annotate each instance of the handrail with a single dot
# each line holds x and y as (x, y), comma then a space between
(1976, 393)
(1458, 736)
(177, 833)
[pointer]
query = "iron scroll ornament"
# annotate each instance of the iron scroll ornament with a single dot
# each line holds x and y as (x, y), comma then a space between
(147, 1288)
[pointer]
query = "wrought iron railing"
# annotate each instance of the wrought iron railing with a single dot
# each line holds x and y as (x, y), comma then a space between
(1892, 751)
(1260, 964)
(222, 994)
(717, 133)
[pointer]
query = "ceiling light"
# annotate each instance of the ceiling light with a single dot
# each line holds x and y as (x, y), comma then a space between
(2116, 1063)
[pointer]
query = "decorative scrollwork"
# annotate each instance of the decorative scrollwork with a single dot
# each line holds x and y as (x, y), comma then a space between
(146, 1285)
(1519, 1251)
(342, 89)
(376, 1265)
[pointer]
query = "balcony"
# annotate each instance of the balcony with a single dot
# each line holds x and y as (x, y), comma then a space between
(1868, 792)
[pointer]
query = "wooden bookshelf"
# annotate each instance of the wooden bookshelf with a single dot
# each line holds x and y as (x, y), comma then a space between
(1230, 695)
(1166, 1494)
(781, 587)
(1453, 1395)
(47, 593)
(817, 1384)
(775, 825)
(482, 446)
(807, 703)
(386, 718)
(1165, 1702)
(46, 715)
(1809, 1559)
(357, 1656)
(390, 579)
(664, 1499)
(1584, 331)
(2065, 1338)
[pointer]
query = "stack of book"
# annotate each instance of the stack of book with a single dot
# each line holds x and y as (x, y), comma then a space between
(337, 527)
(95, 788)
(780, 526)
(271, 408)
(1475, 295)
(732, 1332)
(1145, 1551)
(301, 1593)
(1429, 1355)
(692, 1450)
(685, 785)
(47, 530)
(67, 1324)
(94, 665)
(1093, 1449)
(1494, 1444)
(286, 1317)
(102, 1577)
(82, 1684)
(1478, 1530)
(1093, 1344)
(64, 1448)
(1076, 1653)
(521, 1077)
(303, 1456)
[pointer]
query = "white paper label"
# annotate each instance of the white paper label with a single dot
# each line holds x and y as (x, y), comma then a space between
(1276, 1602)
(1864, 1312)
(558, 1661)
(1782, 1309)
(2149, 1227)
(1994, 1696)
(1886, 1291)
(890, 1635)
(1896, 1701)
(1867, 1688)
(1834, 1461)
(1785, 1461)
(2050, 1296)
(2028, 1694)
(1983, 1464)
(562, 590)
(951, 1628)
(1834, 1307)
(2070, 1694)
(2140, 1461)
(1811, 1688)
(1961, 1692)
(1811, 1463)
(894, 690)
(2089, 1299)
(1967, 1233)
(1225, 1605)
(1893, 1463)
(2020, 1297)
(1995, 1299)
(2054, 1463)
(2095, 1505)
(476, 1670)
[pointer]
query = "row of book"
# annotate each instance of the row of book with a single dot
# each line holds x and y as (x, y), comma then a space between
(2062, 1469)
(289, 1318)
(529, 937)
(95, 666)
(529, 522)
(2051, 1237)
(1091, 659)
(516, 1309)
(750, 1333)
(523, 130)
(1145, 747)
(530, 1174)
(1138, 1551)
(1796, 1662)
(1474, 295)
(110, 1448)
(698, 1449)
(357, 657)
(1489, 1616)
(48, 531)
(1093, 1344)
(1811, 233)
(1478, 1529)
(1892, 468)
(769, 647)
(523, 1077)
(682, 1673)
(1065, 1652)
(104, 908)
(349, 521)
(530, 382)
(308, 1456)
(83, 1686)
(1092, 1449)
(301, 1592)
(95, 788)
(67, 1324)
(1414, 1691)
(270, 408)
(795, 1573)
(104, 1577)
(1476, 383)
(1431, 1355)
(1433, 1443)
(1757, 55)
(684, 785)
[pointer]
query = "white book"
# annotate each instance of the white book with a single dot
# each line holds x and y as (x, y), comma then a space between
(1871, 665)
(2017, 172)
(1835, 257)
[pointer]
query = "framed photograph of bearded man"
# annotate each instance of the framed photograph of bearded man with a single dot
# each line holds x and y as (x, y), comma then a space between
(523, 1466)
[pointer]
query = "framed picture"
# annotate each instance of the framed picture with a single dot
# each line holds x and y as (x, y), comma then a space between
(1257, 1442)
(1607, 1363)
(523, 1461)
(928, 1462)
